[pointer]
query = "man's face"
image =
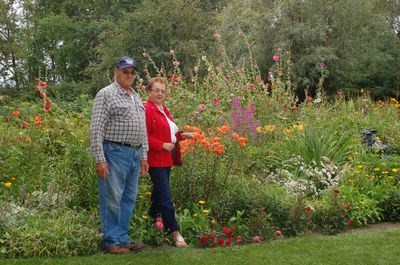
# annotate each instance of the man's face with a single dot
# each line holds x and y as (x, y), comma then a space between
(125, 76)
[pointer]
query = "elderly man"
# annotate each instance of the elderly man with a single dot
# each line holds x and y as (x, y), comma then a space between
(118, 142)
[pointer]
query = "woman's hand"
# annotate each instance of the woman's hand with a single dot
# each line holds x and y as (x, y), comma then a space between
(168, 146)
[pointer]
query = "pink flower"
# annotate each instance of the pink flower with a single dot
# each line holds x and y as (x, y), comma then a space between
(228, 77)
(276, 58)
(322, 65)
(238, 240)
(217, 36)
(42, 95)
(159, 223)
(172, 52)
(202, 107)
(176, 63)
(257, 239)
(216, 102)
(278, 232)
(263, 212)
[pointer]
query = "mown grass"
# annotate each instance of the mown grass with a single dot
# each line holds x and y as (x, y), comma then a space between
(361, 247)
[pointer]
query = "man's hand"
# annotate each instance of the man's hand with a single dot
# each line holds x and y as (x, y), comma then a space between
(102, 170)
(144, 167)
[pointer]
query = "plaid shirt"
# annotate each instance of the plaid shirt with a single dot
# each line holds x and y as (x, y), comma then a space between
(116, 117)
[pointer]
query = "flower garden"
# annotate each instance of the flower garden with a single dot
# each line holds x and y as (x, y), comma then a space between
(264, 165)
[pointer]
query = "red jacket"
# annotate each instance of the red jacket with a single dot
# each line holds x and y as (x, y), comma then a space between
(159, 132)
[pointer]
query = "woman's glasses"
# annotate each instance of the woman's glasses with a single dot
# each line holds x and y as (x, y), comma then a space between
(158, 91)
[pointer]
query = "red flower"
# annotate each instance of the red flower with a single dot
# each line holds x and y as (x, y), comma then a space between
(228, 241)
(336, 191)
(263, 212)
(47, 105)
(308, 208)
(203, 240)
(227, 231)
(257, 239)
(350, 222)
(348, 206)
(221, 241)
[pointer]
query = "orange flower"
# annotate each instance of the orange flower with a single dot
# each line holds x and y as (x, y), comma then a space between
(224, 129)
(235, 136)
(219, 149)
(216, 140)
(38, 120)
(16, 113)
(242, 141)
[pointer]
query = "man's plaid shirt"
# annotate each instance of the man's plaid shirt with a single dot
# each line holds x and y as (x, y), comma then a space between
(116, 117)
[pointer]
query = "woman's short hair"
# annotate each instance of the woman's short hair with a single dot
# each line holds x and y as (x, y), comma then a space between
(153, 80)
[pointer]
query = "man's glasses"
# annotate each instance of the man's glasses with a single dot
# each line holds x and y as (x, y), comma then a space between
(126, 72)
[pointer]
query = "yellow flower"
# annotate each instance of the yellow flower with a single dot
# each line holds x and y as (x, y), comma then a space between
(259, 129)
(350, 158)
(385, 172)
(148, 193)
(195, 215)
(7, 184)
(377, 168)
(213, 221)
(395, 170)
(145, 217)
(360, 166)
(299, 127)
(269, 128)
(13, 178)
(202, 202)
(206, 211)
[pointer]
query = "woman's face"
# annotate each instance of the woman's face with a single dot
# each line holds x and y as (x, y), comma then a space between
(157, 93)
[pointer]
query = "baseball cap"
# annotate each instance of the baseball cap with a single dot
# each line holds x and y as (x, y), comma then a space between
(125, 62)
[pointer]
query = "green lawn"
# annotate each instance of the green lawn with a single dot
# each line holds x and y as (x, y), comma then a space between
(361, 247)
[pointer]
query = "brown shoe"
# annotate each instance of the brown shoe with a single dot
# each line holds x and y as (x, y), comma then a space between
(135, 247)
(116, 249)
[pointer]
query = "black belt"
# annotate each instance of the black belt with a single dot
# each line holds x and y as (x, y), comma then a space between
(134, 146)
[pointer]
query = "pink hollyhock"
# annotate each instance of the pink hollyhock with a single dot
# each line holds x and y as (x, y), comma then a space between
(276, 58)
(202, 107)
(159, 223)
(257, 239)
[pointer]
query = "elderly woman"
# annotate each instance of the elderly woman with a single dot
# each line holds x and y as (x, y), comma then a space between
(163, 137)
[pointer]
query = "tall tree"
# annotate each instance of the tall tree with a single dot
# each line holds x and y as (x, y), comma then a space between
(10, 66)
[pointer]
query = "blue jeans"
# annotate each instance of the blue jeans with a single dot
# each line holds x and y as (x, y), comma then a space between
(117, 193)
(161, 201)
